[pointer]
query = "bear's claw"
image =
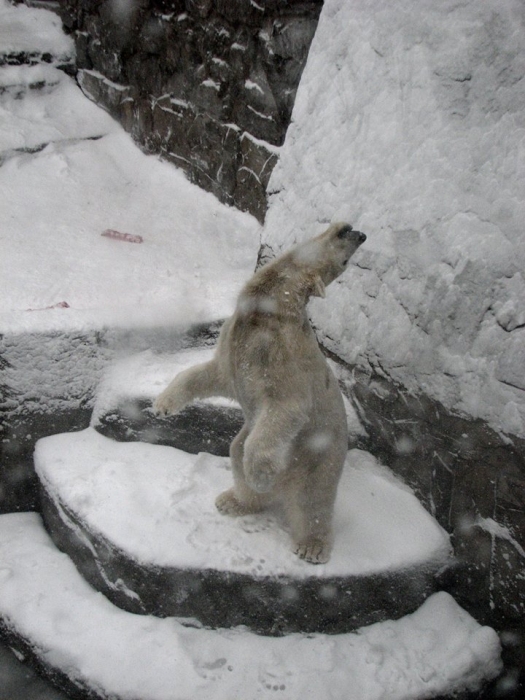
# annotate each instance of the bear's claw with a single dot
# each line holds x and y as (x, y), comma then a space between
(315, 552)
(165, 406)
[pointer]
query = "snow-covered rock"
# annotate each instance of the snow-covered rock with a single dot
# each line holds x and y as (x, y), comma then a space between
(29, 35)
(40, 104)
(140, 523)
(157, 503)
(195, 255)
(409, 123)
(143, 376)
(76, 632)
(129, 386)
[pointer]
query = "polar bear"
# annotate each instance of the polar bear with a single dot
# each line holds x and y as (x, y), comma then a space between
(293, 444)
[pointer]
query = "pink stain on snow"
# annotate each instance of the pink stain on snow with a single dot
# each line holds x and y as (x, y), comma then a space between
(60, 305)
(119, 236)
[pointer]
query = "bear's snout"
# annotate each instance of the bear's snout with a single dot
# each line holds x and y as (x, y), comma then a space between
(347, 232)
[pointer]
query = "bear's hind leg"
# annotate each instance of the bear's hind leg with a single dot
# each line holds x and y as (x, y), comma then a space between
(309, 504)
(268, 446)
(241, 499)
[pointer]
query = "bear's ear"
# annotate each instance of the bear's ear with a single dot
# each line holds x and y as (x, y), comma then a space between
(318, 288)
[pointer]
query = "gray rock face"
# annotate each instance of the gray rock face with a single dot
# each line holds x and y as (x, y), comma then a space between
(209, 86)
(467, 477)
(406, 124)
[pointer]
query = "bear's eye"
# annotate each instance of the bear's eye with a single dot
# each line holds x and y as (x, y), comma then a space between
(344, 231)
(345, 262)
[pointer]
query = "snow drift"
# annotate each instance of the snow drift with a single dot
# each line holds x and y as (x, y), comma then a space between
(409, 122)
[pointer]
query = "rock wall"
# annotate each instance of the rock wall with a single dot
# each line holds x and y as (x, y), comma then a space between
(409, 123)
(209, 85)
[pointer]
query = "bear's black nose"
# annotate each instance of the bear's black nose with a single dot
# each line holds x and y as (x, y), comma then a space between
(362, 237)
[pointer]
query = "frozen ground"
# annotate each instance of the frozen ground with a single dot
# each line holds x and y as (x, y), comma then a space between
(195, 254)
(409, 123)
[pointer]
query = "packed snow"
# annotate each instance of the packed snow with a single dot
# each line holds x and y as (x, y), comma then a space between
(409, 123)
(142, 377)
(90, 177)
(33, 31)
(195, 256)
(436, 650)
(40, 104)
(196, 252)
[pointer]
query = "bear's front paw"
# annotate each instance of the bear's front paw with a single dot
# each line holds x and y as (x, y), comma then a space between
(314, 551)
(227, 503)
(164, 405)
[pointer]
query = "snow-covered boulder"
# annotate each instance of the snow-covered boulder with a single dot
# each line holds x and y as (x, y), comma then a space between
(409, 123)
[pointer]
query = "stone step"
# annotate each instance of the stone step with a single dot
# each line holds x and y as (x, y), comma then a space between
(140, 523)
(92, 649)
(128, 388)
(50, 373)
(41, 105)
(18, 81)
(124, 397)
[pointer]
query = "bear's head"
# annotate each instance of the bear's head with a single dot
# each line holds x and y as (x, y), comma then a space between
(326, 256)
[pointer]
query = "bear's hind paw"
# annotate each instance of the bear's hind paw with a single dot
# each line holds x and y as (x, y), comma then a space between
(314, 552)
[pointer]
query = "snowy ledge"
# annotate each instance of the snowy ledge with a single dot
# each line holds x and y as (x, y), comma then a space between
(129, 386)
(168, 497)
(34, 31)
(140, 523)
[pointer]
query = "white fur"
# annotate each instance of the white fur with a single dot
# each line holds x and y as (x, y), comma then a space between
(294, 441)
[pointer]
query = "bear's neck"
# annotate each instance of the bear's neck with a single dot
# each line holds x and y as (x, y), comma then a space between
(278, 289)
